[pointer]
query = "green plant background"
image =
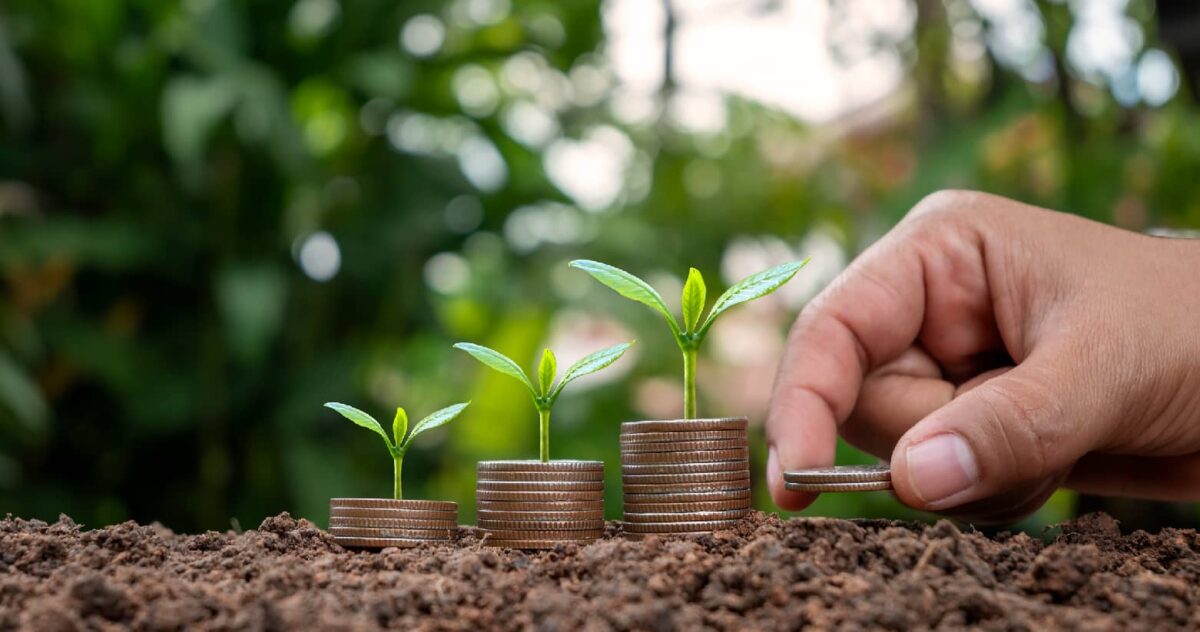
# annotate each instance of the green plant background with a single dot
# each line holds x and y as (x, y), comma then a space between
(164, 357)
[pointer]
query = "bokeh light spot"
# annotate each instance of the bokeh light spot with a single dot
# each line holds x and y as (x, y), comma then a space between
(320, 256)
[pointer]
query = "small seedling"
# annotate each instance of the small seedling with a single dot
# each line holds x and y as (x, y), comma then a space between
(693, 331)
(544, 392)
(398, 445)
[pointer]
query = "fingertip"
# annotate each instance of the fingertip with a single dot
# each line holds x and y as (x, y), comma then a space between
(902, 486)
(784, 499)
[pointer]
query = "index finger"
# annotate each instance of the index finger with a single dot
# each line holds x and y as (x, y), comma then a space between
(869, 315)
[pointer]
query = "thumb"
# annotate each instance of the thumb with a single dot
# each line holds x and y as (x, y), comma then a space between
(1029, 424)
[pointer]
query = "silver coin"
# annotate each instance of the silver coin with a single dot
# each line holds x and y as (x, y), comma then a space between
(841, 474)
(866, 486)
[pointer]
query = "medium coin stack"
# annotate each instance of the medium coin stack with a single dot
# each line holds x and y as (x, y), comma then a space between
(536, 505)
(380, 522)
(840, 478)
(686, 476)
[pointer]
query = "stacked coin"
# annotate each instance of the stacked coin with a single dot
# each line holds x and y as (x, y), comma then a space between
(536, 505)
(686, 476)
(840, 478)
(380, 522)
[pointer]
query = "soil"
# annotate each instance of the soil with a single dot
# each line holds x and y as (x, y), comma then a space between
(769, 574)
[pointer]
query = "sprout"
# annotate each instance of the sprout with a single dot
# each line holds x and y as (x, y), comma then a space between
(693, 331)
(545, 393)
(398, 445)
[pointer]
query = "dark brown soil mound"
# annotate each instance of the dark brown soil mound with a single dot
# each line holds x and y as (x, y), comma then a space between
(771, 575)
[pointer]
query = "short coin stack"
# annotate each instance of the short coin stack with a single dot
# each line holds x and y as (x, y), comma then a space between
(840, 478)
(686, 476)
(380, 522)
(536, 505)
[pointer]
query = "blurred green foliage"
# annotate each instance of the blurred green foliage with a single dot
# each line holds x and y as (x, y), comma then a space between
(178, 179)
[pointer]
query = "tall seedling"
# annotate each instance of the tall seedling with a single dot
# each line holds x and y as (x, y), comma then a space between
(398, 445)
(544, 391)
(692, 333)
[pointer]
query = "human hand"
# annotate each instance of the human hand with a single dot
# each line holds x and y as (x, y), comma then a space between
(995, 351)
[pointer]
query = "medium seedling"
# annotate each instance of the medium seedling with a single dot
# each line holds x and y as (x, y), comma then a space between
(545, 392)
(399, 444)
(692, 333)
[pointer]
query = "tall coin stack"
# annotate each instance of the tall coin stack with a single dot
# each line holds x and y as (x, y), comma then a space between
(381, 522)
(536, 505)
(685, 476)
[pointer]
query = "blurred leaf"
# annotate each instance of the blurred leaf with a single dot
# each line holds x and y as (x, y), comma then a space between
(191, 109)
(20, 398)
(111, 245)
(251, 298)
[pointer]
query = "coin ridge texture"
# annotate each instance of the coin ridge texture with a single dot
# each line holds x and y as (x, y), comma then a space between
(672, 488)
(406, 514)
(540, 466)
(691, 457)
(840, 474)
(392, 532)
(542, 525)
(697, 477)
(540, 505)
(672, 527)
(737, 504)
(685, 425)
(391, 503)
(735, 465)
(687, 497)
(505, 514)
(540, 477)
(541, 486)
(684, 446)
(863, 486)
(673, 437)
(730, 514)
(391, 523)
(486, 494)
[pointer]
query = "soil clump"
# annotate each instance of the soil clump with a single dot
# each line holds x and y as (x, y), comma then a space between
(767, 574)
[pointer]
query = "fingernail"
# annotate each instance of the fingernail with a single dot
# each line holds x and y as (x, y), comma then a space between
(772, 465)
(941, 466)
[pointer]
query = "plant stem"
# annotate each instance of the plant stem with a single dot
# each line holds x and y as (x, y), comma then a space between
(689, 383)
(397, 462)
(544, 428)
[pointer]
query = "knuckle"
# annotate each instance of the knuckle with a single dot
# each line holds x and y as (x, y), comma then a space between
(1023, 419)
(961, 209)
(940, 204)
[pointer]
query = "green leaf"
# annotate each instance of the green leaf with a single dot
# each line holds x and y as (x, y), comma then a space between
(628, 286)
(362, 419)
(694, 294)
(399, 425)
(752, 287)
(498, 362)
(439, 418)
(547, 369)
(590, 364)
